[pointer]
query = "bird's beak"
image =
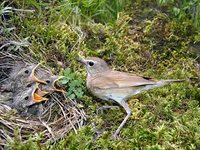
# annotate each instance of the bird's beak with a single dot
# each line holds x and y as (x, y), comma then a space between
(33, 78)
(41, 92)
(35, 97)
(55, 84)
(81, 60)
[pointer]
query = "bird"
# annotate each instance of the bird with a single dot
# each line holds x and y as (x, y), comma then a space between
(25, 75)
(25, 98)
(21, 75)
(51, 86)
(23, 83)
(108, 84)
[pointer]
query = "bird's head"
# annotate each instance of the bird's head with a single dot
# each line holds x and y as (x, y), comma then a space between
(53, 85)
(94, 65)
(27, 96)
(28, 73)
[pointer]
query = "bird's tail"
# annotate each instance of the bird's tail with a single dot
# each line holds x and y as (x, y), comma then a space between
(165, 82)
(158, 84)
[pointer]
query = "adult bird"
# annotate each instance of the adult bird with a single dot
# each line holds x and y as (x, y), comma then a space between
(118, 86)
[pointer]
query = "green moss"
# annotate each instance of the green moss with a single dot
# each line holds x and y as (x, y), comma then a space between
(142, 40)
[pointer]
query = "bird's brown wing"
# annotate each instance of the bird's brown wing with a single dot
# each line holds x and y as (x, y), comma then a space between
(116, 79)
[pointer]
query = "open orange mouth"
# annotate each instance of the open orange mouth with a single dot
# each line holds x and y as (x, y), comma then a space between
(57, 86)
(36, 97)
(32, 76)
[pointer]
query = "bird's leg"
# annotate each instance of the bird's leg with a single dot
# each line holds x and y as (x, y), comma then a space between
(104, 107)
(128, 111)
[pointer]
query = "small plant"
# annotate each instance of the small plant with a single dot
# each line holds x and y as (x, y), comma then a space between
(74, 85)
(98, 10)
(184, 10)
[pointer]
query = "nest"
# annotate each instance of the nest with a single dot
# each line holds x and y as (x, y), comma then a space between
(52, 118)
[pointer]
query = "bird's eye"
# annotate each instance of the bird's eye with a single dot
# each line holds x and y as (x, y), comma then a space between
(29, 85)
(90, 63)
(26, 98)
(26, 71)
(47, 81)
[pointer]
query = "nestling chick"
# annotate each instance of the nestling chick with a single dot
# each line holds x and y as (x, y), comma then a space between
(21, 76)
(22, 100)
(25, 76)
(51, 86)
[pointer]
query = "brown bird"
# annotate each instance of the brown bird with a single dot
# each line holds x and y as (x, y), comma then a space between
(118, 86)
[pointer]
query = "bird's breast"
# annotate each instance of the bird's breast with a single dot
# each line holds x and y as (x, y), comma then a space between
(116, 94)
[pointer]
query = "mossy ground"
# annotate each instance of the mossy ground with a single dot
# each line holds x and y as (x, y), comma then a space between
(144, 40)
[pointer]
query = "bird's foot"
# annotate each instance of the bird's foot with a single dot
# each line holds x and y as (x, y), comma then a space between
(115, 137)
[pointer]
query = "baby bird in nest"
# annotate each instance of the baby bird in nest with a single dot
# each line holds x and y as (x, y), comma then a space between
(23, 83)
(52, 83)
(21, 75)
(25, 97)
(51, 86)
(25, 76)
